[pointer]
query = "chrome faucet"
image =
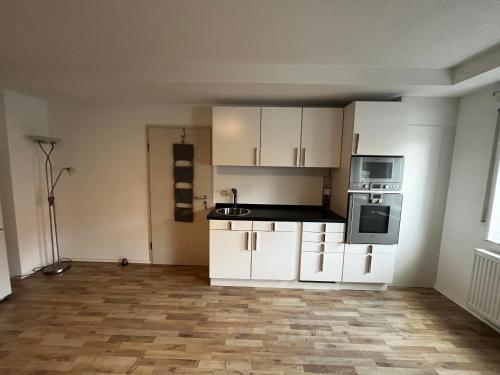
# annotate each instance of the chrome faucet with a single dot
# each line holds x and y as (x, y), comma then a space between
(235, 196)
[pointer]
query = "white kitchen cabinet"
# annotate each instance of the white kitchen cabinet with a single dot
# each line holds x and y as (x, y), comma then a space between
(378, 128)
(273, 256)
(280, 136)
(322, 237)
(369, 263)
(237, 252)
(236, 136)
(230, 254)
(321, 137)
(321, 266)
(327, 247)
(324, 227)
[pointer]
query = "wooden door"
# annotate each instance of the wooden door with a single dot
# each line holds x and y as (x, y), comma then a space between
(180, 243)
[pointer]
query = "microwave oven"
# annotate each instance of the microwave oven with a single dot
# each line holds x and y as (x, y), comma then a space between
(376, 173)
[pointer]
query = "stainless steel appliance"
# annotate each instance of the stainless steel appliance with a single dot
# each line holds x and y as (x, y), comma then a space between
(374, 218)
(376, 173)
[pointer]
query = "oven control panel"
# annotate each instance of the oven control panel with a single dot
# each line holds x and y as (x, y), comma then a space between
(389, 186)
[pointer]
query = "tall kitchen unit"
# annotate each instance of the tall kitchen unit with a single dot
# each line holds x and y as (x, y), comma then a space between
(5, 289)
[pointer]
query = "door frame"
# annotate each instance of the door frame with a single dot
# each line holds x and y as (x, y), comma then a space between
(148, 174)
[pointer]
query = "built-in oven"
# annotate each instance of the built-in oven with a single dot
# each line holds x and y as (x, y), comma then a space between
(376, 173)
(374, 218)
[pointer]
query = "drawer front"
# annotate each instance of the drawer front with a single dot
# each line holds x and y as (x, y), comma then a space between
(322, 237)
(274, 226)
(321, 266)
(231, 225)
(328, 247)
(373, 249)
(323, 227)
(361, 268)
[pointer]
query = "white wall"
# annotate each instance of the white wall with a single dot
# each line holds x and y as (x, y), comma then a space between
(267, 185)
(463, 231)
(103, 208)
(23, 182)
(431, 129)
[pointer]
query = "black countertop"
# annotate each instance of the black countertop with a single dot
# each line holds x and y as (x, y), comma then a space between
(270, 212)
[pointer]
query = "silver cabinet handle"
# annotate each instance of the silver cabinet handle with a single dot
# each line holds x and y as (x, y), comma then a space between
(203, 197)
(303, 157)
(369, 259)
(355, 145)
(321, 262)
(255, 241)
(247, 241)
(491, 172)
(296, 151)
(256, 155)
(273, 227)
(230, 225)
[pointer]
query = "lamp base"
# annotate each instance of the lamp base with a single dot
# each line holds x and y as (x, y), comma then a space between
(56, 268)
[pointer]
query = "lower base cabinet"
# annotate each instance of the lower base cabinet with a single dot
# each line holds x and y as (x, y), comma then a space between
(230, 254)
(321, 266)
(369, 263)
(273, 256)
(239, 251)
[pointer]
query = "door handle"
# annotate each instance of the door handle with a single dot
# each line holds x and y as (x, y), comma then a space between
(355, 143)
(247, 241)
(256, 156)
(369, 260)
(203, 197)
(303, 157)
(255, 241)
(273, 227)
(296, 151)
(321, 262)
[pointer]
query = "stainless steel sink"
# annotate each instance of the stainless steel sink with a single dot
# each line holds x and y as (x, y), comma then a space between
(232, 211)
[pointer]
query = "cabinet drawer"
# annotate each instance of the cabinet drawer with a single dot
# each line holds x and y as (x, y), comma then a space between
(274, 226)
(323, 227)
(362, 268)
(367, 249)
(321, 266)
(231, 225)
(322, 237)
(328, 247)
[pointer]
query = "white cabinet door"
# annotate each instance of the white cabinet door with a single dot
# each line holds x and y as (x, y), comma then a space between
(280, 136)
(273, 256)
(380, 128)
(321, 137)
(230, 254)
(321, 266)
(236, 136)
(368, 268)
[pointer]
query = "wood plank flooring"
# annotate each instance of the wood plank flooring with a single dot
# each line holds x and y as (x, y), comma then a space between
(103, 318)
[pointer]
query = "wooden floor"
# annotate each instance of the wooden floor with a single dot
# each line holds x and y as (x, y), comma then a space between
(103, 318)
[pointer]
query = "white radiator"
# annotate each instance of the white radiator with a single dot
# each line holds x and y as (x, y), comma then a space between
(484, 295)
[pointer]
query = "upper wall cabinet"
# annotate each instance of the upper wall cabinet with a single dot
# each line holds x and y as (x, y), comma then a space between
(277, 136)
(236, 136)
(378, 128)
(321, 137)
(280, 136)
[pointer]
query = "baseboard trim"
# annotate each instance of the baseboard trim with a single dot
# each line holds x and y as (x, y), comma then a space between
(294, 284)
(454, 299)
(108, 260)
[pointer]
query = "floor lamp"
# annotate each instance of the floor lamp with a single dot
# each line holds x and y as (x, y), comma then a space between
(47, 145)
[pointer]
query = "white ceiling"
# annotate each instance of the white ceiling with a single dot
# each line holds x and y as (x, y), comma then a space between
(245, 50)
